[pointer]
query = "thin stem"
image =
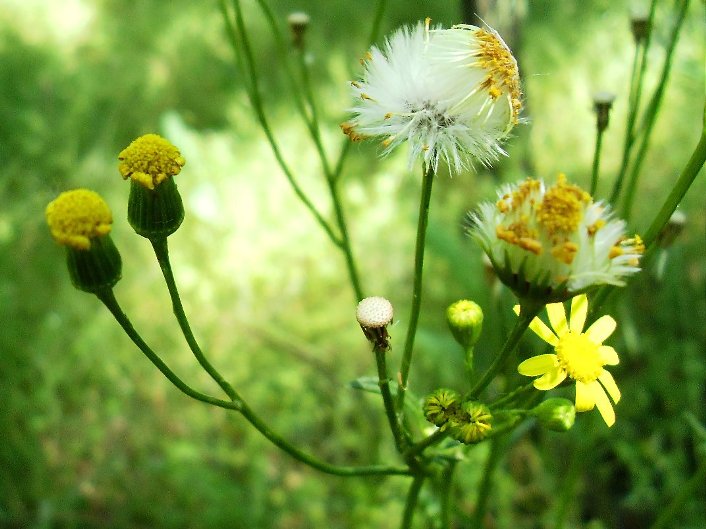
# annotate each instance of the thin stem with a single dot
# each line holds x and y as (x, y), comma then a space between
(445, 494)
(418, 448)
(238, 404)
(107, 297)
(384, 383)
(510, 397)
(345, 242)
(667, 516)
(636, 83)
(411, 502)
(652, 111)
(243, 50)
(486, 483)
(596, 160)
(423, 220)
(527, 313)
(161, 250)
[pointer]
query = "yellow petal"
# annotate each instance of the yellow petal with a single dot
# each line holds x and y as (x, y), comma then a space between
(537, 365)
(551, 379)
(608, 355)
(584, 397)
(601, 329)
(579, 309)
(516, 309)
(544, 332)
(557, 317)
(610, 386)
(602, 403)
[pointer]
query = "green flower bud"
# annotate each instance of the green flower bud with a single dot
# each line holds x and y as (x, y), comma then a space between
(465, 319)
(155, 209)
(81, 221)
(555, 414)
(472, 423)
(440, 406)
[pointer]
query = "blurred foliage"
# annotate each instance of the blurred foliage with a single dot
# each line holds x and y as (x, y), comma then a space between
(92, 436)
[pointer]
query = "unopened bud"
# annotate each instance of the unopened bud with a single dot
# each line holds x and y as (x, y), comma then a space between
(472, 423)
(81, 221)
(602, 103)
(298, 23)
(555, 414)
(465, 319)
(374, 314)
(441, 406)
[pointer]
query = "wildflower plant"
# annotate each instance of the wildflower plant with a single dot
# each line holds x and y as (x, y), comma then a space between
(453, 95)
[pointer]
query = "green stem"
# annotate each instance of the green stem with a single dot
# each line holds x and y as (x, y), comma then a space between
(486, 483)
(161, 250)
(668, 515)
(445, 494)
(107, 297)
(682, 185)
(418, 448)
(636, 82)
(652, 111)
(238, 404)
(527, 313)
(243, 50)
(596, 161)
(423, 220)
(384, 383)
(510, 397)
(345, 242)
(411, 502)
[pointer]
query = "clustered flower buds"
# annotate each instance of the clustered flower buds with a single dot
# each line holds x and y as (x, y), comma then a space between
(81, 221)
(374, 314)
(467, 421)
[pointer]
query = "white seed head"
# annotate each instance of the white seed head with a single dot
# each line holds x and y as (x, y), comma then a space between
(374, 312)
(298, 19)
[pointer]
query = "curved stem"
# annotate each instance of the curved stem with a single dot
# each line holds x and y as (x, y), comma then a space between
(411, 502)
(510, 397)
(418, 448)
(527, 313)
(161, 250)
(345, 242)
(423, 220)
(238, 404)
(652, 111)
(384, 383)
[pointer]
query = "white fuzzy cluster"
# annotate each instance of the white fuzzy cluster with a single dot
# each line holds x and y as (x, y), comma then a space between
(374, 312)
(452, 94)
(589, 250)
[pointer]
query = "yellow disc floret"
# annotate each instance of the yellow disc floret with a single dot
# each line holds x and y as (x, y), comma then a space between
(150, 160)
(562, 207)
(579, 357)
(75, 217)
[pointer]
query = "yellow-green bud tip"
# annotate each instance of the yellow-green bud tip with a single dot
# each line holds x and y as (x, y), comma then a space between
(555, 414)
(441, 406)
(465, 319)
(75, 217)
(472, 424)
(149, 160)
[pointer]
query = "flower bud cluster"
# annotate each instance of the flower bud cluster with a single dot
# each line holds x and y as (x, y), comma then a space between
(468, 422)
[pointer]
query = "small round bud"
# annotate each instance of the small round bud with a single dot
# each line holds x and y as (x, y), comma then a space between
(602, 103)
(374, 314)
(675, 225)
(441, 406)
(155, 208)
(465, 319)
(640, 26)
(472, 423)
(555, 414)
(298, 22)
(81, 221)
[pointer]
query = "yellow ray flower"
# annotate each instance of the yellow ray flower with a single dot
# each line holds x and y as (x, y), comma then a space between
(578, 355)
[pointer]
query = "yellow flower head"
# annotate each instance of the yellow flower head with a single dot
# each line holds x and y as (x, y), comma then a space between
(149, 160)
(578, 355)
(75, 217)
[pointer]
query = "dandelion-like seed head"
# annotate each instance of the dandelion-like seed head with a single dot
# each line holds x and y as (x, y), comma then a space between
(76, 217)
(578, 355)
(150, 160)
(374, 314)
(452, 94)
(552, 242)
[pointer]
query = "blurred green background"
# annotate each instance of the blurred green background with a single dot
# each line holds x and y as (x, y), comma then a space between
(92, 436)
